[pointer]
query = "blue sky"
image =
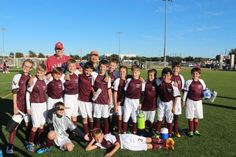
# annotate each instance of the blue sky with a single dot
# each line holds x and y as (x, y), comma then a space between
(202, 28)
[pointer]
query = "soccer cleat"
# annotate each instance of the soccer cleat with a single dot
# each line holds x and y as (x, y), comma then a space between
(169, 144)
(9, 150)
(190, 133)
(197, 133)
(30, 147)
(43, 150)
(177, 134)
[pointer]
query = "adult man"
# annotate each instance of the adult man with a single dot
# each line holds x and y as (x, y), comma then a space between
(58, 59)
(94, 59)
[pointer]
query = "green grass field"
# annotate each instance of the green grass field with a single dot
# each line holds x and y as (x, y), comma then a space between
(218, 128)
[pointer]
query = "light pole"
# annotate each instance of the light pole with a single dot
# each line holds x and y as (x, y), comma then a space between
(3, 49)
(119, 33)
(165, 30)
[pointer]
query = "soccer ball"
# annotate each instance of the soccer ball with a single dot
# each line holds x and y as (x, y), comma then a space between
(207, 94)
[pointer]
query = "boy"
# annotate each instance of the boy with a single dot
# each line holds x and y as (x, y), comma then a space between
(193, 91)
(104, 99)
(55, 88)
(19, 86)
(126, 141)
(167, 100)
(119, 86)
(149, 104)
(71, 92)
(37, 106)
(178, 80)
(134, 92)
(58, 124)
(112, 71)
(85, 95)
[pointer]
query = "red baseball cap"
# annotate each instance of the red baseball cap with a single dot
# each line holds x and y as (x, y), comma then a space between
(59, 45)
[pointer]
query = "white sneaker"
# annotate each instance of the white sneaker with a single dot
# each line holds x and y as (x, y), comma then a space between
(9, 150)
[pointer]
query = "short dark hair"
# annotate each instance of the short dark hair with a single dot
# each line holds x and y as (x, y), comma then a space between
(196, 69)
(57, 70)
(103, 62)
(58, 104)
(153, 71)
(175, 64)
(135, 67)
(88, 65)
(114, 60)
(123, 67)
(71, 61)
(166, 70)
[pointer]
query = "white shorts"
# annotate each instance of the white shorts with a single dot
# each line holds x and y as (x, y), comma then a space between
(61, 141)
(133, 142)
(52, 102)
(120, 110)
(149, 115)
(101, 111)
(194, 109)
(178, 107)
(130, 109)
(86, 109)
(71, 101)
(164, 109)
(38, 114)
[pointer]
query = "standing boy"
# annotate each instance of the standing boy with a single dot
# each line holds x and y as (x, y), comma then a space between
(119, 86)
(85, 96)
(178, 80)
(149, 104)
(71, 92)
(193, 91)
(37, 106)
(134, 93)
(167, 100)
(19, 86)
(104, 99)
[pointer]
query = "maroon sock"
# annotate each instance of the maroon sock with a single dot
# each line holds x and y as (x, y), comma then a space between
(156, 146)
(158, 140)
(134, 128)
(27, 132)
(125, 126)
(97, 123)
(49, 142)
(165, 124)
(170, 129)
(150, 126)
(119, 125)
(106, 125)
(32, 136)
(40, 135)
(90, 125)
(176, 123)
(85, 127)
(159, 126)
(190, 125)
(195, 126)
(12, 136)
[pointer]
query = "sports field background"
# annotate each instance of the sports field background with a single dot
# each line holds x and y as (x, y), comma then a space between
(218, 128)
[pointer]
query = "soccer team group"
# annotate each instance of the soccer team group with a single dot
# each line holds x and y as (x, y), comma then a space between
(57, 94)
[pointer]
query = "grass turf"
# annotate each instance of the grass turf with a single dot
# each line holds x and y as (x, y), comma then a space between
(218, 128)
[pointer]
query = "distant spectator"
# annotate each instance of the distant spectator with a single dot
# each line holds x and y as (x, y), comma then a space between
(58, 59)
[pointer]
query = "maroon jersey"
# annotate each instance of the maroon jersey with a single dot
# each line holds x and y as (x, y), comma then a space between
(108, 141)
(104, 86)
(150, 96)
(119, 86)
(38, 93)
(85, 88)
(19, 87)
(71, 86)
(178, 80)
(55, 89)
(166, 91)
(195, 91)
(113, 77)
(133, 88)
